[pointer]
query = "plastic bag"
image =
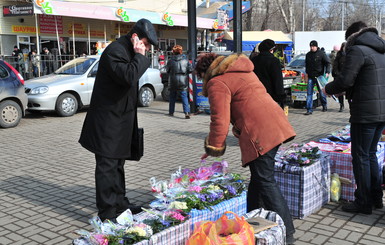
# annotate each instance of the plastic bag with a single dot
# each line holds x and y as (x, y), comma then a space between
(335, 188)
(235, 231)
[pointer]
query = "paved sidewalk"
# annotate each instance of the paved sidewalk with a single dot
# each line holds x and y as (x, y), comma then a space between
(47, 178)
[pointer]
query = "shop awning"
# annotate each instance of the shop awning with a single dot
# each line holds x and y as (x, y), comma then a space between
(258, 36)
(91, 11)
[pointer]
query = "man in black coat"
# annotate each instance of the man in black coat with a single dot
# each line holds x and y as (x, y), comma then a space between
(317, 64)
(111, 121)
(363, 79)
(268, 69)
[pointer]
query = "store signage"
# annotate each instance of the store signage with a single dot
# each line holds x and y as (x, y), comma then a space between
(23, 29)
(17, 10)
(167, 19)
(122, 14)
(49, 24)
(45, 6)
(215, 25)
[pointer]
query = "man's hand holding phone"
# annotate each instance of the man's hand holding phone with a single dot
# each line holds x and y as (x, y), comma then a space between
(139, 46)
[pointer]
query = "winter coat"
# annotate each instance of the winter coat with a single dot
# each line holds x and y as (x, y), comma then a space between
(317, 63)
(112, 117)
(237, 96)
(178, 68)
(363, 77)
(338, 63)
(268, 69)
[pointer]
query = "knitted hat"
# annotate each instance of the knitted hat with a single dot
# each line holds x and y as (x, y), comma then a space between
(314, 43)
(266, 45)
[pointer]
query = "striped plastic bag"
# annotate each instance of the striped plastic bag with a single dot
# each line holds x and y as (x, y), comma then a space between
(235, 231)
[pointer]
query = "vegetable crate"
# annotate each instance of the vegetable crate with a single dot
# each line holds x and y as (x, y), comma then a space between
(305, 188)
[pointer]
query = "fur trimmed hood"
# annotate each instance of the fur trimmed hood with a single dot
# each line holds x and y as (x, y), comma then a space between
(225, 64)
(368, 37)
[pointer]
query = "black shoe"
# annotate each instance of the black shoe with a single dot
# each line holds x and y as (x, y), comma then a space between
(341, 108)
(378, 205)
(290, 239)
(135, 209)
(353, 208)
(169, 114)
(308, 113)
(187, 116)
(324, 108)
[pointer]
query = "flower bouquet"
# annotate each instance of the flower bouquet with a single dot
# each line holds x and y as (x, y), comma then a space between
(198, 188)
(298, 154)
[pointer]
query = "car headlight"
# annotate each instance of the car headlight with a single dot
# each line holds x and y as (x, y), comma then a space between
(39, 90)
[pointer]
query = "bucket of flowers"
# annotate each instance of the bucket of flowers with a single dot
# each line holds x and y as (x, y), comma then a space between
(299, 154)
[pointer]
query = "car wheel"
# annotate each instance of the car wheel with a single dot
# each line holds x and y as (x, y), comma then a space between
(145, 96)
(165, 93)
(10, 114)
(66, 105)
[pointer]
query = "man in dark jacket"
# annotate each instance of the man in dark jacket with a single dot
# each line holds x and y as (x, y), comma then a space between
(317, 64)
(268, 69)
(111, 121)
(363, 79)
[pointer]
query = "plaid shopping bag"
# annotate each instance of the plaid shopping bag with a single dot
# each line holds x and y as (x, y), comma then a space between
(275, 235)
(305, 188)
(235, 204)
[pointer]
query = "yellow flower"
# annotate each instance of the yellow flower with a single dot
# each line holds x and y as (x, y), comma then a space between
(139, 231)
(178, 205)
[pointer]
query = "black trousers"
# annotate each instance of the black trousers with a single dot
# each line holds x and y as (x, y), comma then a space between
(110, 184)
(264, 191)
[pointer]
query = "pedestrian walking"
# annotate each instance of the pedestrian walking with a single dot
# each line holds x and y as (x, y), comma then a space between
(35, 61)
(317, 64)
(178, 68)
(111, 121)
(363, 79)
(337, 65)
(238, 97)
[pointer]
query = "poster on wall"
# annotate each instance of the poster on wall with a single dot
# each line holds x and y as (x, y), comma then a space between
(48, 24)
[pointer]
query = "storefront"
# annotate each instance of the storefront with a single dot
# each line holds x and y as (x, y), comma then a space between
(74, 28)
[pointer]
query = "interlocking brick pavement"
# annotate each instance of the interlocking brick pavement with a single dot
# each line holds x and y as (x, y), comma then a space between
(47, 178)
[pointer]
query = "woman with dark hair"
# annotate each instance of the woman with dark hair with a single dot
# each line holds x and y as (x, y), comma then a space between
(336, 70)
(178, 68)
(238, 97)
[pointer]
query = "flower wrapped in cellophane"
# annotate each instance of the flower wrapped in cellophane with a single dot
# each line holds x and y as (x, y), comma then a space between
(298, 154)
(198, 188)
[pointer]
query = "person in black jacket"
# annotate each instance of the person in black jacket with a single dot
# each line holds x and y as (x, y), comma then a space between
(338, 63)
(363, 79)
(178, 68)
(268, 69)
(317, 64)
(111, 121)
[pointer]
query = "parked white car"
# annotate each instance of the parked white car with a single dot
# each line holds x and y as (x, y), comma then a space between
(70, 87)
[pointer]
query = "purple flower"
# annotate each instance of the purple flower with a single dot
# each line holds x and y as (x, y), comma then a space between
(231, 190)
(202, 197)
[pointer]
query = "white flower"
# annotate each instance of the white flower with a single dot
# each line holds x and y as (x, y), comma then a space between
(178, 205)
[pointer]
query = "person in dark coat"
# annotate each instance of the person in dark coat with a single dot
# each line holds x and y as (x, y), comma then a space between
(48, 60)
(317, 64)
(178, 68)
(338, 63)
(363, 79)
(268, 69)
(111, 121)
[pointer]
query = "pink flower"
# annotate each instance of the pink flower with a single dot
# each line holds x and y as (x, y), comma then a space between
(176, 215)
(195, 188)
(100, 239)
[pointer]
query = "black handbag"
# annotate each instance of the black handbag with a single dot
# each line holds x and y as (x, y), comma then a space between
(137, 145)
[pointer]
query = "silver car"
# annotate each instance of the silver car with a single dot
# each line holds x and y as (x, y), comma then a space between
(70, 87)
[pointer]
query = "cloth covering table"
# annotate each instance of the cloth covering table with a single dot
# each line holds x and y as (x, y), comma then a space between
(305, 188)
(341, 163)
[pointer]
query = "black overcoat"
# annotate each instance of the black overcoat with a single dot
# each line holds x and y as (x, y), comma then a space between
(111, 118)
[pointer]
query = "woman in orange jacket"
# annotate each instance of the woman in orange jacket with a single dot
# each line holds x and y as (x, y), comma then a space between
(238, 97)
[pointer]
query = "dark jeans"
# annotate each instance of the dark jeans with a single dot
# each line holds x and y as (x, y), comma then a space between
(264, 191)
(365, 139)
(309, 94)
(111, 197)
(184, 97)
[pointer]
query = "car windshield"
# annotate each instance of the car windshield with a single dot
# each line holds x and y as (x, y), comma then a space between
(299, 61)
(76, 67)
